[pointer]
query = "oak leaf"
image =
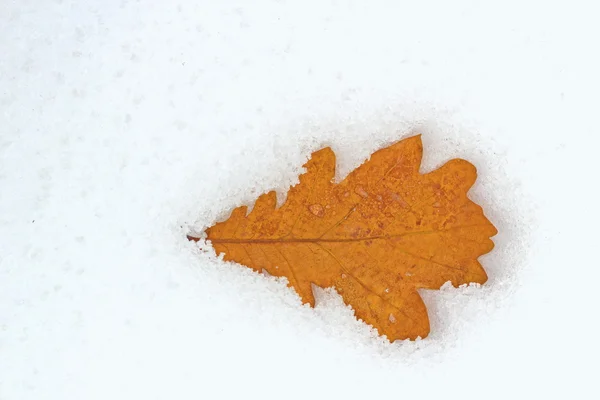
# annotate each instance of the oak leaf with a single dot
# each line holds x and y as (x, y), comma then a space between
(377, 237)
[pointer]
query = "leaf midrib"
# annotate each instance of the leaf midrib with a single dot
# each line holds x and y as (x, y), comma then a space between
(335, 240)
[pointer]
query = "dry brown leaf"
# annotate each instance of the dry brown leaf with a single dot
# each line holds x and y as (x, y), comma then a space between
(376, 237)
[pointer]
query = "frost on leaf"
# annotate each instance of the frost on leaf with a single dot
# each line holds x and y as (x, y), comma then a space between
(376, 237)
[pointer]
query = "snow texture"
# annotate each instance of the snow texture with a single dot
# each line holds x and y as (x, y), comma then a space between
(124, 125)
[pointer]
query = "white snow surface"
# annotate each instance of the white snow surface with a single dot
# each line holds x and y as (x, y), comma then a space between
(124, 125)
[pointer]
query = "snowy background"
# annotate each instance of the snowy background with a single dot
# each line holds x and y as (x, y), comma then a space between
(124, 125)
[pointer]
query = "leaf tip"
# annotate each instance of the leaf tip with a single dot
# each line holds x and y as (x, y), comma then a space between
(458, 173)
(322, 160)
(325, 154)
(416, 139)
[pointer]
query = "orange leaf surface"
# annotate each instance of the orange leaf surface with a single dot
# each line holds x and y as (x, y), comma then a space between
(376, 237)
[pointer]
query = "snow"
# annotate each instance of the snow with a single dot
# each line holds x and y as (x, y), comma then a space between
(124, 125)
